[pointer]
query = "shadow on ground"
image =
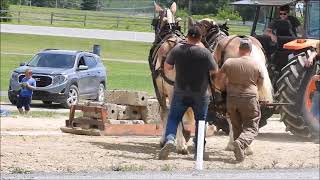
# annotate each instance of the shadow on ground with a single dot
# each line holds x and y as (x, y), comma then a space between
(131, 147)
(281, 137)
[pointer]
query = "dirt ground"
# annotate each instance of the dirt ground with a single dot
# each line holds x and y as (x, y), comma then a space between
(37, 145)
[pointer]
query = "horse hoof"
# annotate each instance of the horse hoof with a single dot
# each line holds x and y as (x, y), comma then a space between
(183, 151)
(186, 134)
(161, 144)
(229, 148)
(248, 151)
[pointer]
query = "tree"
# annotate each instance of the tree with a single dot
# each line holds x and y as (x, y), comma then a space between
(4, 7)
(89, 4)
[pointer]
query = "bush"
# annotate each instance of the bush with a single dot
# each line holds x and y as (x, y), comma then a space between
(3, 13)
(227, 13)
(182, 13)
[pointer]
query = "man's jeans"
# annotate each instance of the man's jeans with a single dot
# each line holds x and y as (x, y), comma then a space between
(179, 105)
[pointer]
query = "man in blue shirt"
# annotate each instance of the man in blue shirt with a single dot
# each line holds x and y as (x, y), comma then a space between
(28, 84)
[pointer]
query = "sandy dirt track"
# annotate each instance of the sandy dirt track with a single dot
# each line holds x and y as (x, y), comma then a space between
(37, 145)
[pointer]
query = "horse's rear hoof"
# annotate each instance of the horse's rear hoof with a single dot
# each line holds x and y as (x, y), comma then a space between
(186, 134)
(229, 148)
(183, 151)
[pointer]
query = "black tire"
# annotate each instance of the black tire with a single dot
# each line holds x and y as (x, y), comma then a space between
(47, 102)
(13, 99)
(292, 87)
(72, 97)
(101, 97)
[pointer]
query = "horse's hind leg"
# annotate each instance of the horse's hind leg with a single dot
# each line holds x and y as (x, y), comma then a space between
(230, 146)
(182, 147)
(164, 118)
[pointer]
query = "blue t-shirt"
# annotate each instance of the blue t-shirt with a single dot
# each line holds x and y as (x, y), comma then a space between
(25, 92)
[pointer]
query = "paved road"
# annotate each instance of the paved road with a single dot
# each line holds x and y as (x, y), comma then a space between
(36, 106)
(213, 174)
(78, 32)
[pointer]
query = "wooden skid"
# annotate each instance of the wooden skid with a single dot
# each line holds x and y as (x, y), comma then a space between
(80, 131)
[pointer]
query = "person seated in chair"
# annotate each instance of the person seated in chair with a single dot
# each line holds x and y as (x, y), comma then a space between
(286, 25)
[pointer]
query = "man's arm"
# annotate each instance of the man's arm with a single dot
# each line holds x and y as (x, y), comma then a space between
(32, 86)
(168, 67)
(269, 32)
(170, 61)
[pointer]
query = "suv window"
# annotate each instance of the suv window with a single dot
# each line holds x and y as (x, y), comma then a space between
(52, 60)
(90, 61)
(81, 61)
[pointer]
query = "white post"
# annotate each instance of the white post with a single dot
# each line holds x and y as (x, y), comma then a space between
(200, 144)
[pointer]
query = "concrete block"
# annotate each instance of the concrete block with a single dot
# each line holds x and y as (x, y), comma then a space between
(128, 122)
(151, 113)
(124, 97)
(111, 108)
(128, 112)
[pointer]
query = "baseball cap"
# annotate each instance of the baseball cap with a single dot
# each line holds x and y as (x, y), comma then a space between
(194, 32)
(245, 43)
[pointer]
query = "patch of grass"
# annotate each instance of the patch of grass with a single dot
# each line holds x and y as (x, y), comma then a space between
(274, 163)
(131, 76)
(301, 165)
(19, 170)
(168, 167)
(30, 44)
(127, 167)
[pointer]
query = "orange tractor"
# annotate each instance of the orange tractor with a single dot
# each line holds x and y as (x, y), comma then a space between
(293, 64)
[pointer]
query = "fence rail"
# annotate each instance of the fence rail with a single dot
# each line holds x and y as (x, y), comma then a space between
(101, 21)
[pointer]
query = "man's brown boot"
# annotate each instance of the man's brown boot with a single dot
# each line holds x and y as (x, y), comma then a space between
(238, 151)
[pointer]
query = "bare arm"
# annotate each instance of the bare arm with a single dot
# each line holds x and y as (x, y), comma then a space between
(268, 32)
(168, 67)
(30, 87)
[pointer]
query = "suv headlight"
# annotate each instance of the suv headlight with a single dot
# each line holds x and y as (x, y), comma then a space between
(14, 76)
(59, 79)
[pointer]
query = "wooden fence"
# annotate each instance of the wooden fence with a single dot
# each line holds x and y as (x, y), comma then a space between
(104, 21)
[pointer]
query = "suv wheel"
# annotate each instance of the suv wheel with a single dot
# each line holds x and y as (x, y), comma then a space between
(47, 102)
(100, 96)
(72, 97)
(13, 99)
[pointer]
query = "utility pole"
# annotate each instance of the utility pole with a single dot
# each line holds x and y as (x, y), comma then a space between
(56, 3)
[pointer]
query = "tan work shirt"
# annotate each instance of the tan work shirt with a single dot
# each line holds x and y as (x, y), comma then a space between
(243, 74)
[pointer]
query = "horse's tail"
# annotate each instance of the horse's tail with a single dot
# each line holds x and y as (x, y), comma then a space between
(266, 91)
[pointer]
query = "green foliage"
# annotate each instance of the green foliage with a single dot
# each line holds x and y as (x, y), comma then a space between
(41, 3)
(182, 13)
(227, 13)
(89, 4)
(4, 5)
(246, 12)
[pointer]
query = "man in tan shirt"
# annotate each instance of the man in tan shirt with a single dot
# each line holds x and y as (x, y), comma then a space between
(244, 77)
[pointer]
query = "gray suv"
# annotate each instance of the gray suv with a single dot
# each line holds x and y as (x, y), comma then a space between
(62, 76)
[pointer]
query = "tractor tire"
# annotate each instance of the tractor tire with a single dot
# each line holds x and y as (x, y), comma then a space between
(292, 88)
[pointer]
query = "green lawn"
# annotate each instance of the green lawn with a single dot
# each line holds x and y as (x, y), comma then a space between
(21, 43)
(130, 76)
